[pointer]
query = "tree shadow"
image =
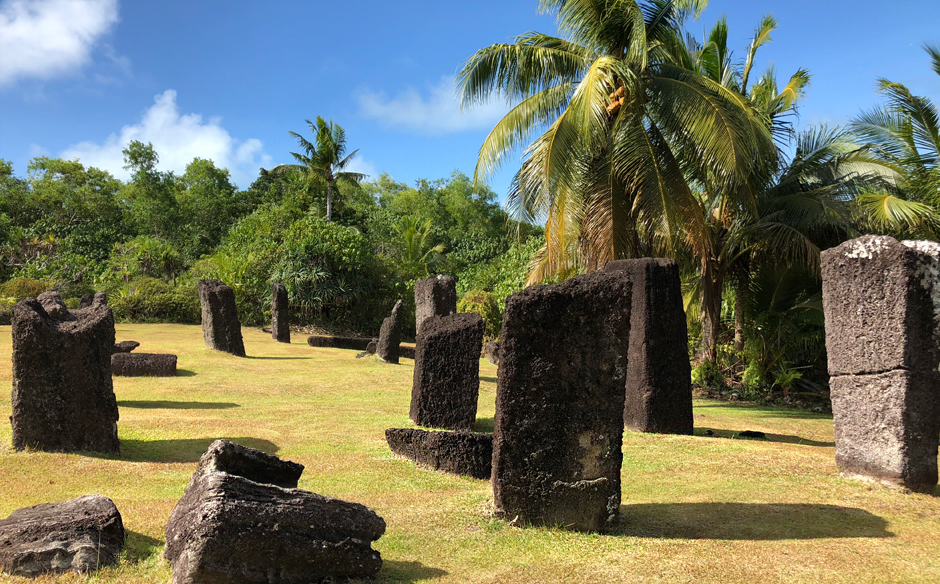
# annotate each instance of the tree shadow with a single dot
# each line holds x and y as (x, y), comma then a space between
(490, 379)
(179, 450)
(274, 358)
(486, 425)
(768, 437)
(139, 547)
(185, 373)
(399, 571)
(748, 521)
(177, 405)
(770, 411)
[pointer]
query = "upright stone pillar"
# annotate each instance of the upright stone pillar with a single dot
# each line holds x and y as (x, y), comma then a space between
(881, 300)
(220, 326)
(447, 372)
(435, 296)
(659, 375)
(559, 402)
(280, 314)
(63, 398)
(390, 336)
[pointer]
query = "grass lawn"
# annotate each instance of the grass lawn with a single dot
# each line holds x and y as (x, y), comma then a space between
(695, 508)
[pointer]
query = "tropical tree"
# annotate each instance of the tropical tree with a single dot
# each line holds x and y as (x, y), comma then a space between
(904, 138)
(417, 251)
(324, 161)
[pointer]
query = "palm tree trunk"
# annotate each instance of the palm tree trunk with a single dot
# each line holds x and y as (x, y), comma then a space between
(740, 304)
(329, 202)
(711, 288)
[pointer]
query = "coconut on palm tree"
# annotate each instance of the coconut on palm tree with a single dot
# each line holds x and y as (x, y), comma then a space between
(323, 161)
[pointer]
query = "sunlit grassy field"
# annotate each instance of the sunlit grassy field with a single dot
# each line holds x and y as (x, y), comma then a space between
(695, 508)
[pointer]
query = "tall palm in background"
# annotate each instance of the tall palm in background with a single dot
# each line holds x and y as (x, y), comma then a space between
(323, 161)
(622, 117)
(904, 139)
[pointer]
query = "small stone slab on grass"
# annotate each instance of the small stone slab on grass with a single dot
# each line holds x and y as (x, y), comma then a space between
(143, 365)
(462, 453)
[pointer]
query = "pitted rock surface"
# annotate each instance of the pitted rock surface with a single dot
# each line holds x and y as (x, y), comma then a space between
(54, 306)
(390, 336)
(280, 314)
(462, 453)
(659, 374)
(435, 296)
(242, 521)
(63, 397)
(143, 365)
(125, 346)
(79, 535)
(447, 372)
(491, 352)
(221, 328)
(559, 402)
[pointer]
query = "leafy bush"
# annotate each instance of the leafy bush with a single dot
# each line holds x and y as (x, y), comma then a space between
(148, 299)
(484, 304)
(20, 288)
(6, 310)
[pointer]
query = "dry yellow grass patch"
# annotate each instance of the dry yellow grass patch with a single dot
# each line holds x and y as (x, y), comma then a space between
(695, 508)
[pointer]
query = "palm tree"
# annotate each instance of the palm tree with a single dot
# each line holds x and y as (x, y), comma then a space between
(904, 138)
(325, 161)
(417, 251)
(622, 113)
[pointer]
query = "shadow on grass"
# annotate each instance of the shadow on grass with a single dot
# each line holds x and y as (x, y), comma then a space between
(177, 405)
(768, 437)
(397, 571)
(139, 547)
(748, 521)
(490, 379)
(180, 450)
(185, 373)
(484, 425)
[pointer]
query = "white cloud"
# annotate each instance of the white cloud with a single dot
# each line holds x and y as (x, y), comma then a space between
(45, 38)
(438, 113)
(363, 166)
(177, 139)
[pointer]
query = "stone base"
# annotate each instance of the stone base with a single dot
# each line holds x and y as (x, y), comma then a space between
(143, 365)
(462, 453)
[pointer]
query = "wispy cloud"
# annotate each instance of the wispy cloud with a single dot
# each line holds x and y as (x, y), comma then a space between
(435, 111)
(363, 166)
(177, 139)
(46, 38)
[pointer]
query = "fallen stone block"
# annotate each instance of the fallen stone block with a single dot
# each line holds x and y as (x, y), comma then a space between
(143, 365)
(406, 352)
(462, 453)
(435, 296)
(80, 535)
(221, 328)
(447, 372)
(354, 343)
(63, 397)
(235, 525)
(559, 402)
(659, 374)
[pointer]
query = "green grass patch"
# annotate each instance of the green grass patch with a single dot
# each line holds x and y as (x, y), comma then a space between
(716, 508)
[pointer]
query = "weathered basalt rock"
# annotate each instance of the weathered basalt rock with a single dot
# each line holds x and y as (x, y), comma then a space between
(560, 400)
(125, 347)
(491, 352)
(406, 352)
(881, 300)
(447, 372)
(355, 343)
(390, 336)
(63, 397)
(79, 535)
(220, 326)
(143, 365)
(241, 520)
(435, 296)
(462, 453)
(54, 306)
(86, 300)
(280, 314)
(659, 375)
(100, 299)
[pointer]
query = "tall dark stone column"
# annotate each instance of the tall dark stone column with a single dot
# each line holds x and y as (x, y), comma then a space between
(560, 400)
(389, 342)
(881, 300)
(435, 296)
(63, 397)
(659, 375)
(220, 326)
(280, 314)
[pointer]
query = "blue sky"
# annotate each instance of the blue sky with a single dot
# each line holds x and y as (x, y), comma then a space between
(228, 79)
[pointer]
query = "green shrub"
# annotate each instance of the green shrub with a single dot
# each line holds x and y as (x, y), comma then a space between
(20, 288)
(484, 304)
(151, 300)
(6, 310)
